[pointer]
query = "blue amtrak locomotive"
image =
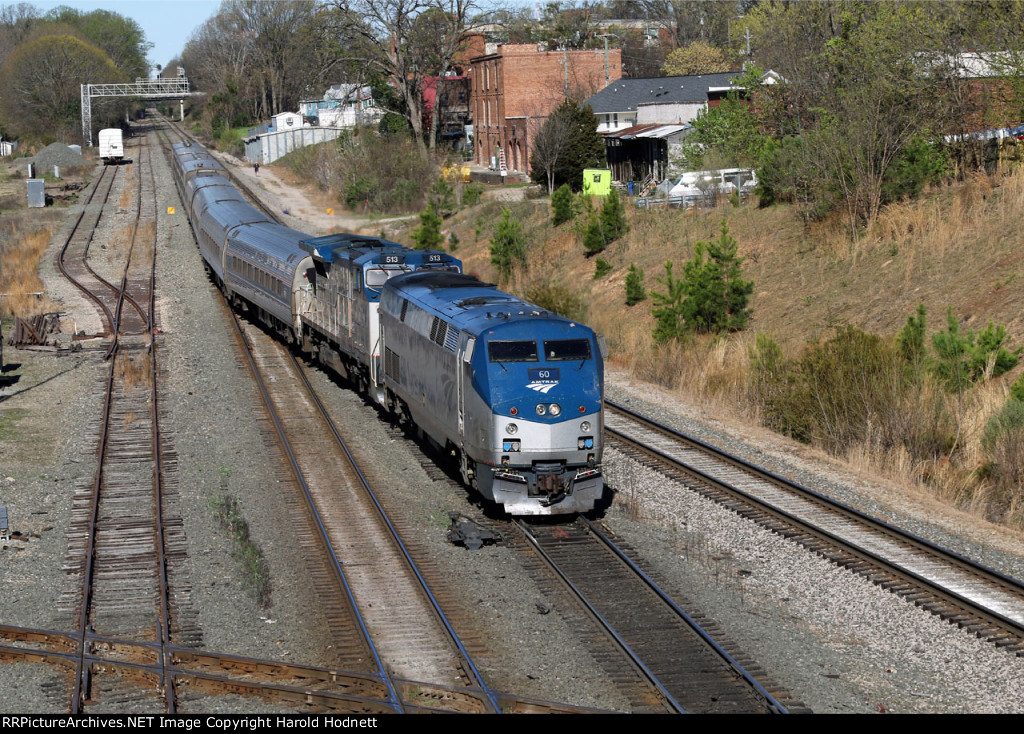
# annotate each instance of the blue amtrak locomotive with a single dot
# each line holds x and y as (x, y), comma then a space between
(514, 391)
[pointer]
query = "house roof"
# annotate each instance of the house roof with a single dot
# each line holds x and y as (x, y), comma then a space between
(626, 94)
(646, 131)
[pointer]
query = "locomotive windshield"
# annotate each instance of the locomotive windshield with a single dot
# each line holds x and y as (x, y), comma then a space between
(512, 351)
(376, 277)
(566, 350)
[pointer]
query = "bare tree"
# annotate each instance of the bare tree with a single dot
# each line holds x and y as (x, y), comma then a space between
(407, 40)
(552, 140)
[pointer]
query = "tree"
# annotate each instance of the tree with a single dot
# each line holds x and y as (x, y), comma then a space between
(699, 57)
(260, 56)
(860, 91)
(566, 25)
(635, 291)
(910, 341)
(734, 130)
(42, 81)
(508, 245)
(427, 236)
(613, 217)
(687, 21)
(406, 40)
(710, 298)
(16, 22)
(566, 144)
(561, 205)
(593, 237)
(121, 38)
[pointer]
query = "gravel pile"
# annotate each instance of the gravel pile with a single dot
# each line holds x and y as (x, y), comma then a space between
(835, 641)
(57, 154)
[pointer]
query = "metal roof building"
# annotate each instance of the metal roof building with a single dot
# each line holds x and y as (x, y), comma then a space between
(624, 102)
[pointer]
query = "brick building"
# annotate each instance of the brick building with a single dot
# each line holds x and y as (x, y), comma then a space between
(516, 88)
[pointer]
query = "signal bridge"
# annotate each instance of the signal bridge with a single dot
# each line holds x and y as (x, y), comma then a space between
(164, 88)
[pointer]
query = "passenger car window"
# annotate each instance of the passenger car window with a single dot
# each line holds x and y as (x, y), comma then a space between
(566, 350)
(512, 351)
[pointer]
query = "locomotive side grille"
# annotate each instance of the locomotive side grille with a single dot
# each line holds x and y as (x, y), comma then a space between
(438, 331)
(451, 340)
(391, 365)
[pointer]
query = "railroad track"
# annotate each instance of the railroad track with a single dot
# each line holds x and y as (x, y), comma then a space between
(121, 537)
(969, 595)
(405, 635)
(135, 647)
(73, 259)
(692, 672)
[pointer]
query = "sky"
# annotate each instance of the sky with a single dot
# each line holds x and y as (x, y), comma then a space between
(166, 23)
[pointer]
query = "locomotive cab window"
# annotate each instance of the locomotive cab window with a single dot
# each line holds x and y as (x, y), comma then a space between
(512, 351)
(376, 277)
(566, 350)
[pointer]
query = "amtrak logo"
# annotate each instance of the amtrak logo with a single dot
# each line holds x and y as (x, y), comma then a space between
(542, 387)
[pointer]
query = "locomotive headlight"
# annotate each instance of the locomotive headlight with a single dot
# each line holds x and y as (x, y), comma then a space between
(585, 426)
(511, 429)
(555, 409)
(541, 409)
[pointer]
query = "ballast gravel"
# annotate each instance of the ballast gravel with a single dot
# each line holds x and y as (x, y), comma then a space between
(835, 641)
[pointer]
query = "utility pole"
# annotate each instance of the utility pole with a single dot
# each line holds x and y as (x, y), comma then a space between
(565, 67)
(607, 78)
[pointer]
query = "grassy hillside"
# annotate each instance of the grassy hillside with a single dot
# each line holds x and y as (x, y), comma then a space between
(958, 247)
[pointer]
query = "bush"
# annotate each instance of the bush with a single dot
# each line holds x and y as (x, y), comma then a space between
(368, 170)
(442, 196)
(230, 141)
(557, 297)
(1003, 440)
(921, 163)
(472, 194)
(846, 384)
(357, 192)
(962, 360)
(601, 268)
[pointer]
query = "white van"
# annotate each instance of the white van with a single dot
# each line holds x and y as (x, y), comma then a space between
(696, 186)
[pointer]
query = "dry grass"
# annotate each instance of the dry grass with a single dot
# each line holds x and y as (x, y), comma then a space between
(145, 242)
(133, 369)
(958, 247)
(128, 191)
(19, 279)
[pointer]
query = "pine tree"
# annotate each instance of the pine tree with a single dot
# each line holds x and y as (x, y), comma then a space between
(635, 291)
(613, 217)
(593, 239)
(561, 205)
(427, 236)
(601, 268)
(710, 298)
(668, 307)
(508, 245)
